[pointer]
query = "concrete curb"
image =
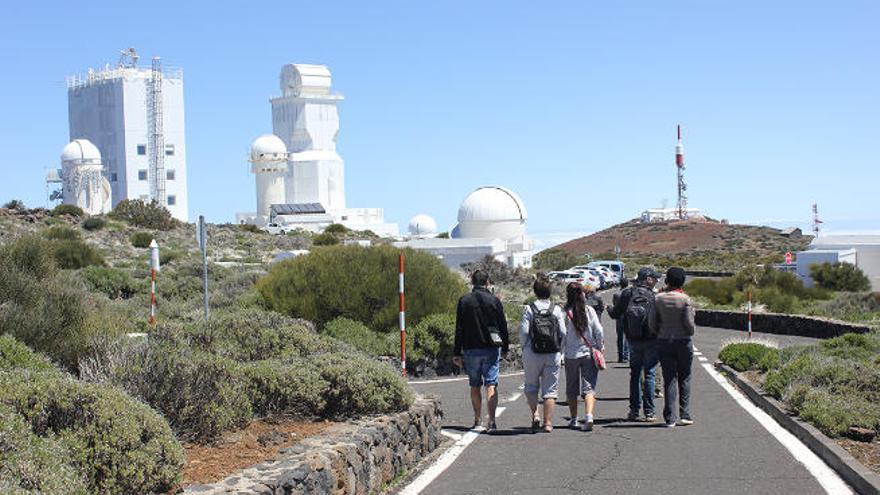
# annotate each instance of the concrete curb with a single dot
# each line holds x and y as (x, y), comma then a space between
(862, 479)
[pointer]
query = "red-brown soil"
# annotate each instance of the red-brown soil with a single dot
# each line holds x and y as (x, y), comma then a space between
(866, 453)
(258, 442)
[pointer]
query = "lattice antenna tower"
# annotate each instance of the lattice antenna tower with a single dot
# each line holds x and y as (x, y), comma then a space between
(816, 221)
(128, 58)
(156, 141)
(682, 186)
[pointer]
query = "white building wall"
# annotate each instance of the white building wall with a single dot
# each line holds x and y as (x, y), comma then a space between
(867, 252)
(112, 113)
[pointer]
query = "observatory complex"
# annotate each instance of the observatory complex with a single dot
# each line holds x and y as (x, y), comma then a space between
(491, 222)
(129, 120)
(300, 178)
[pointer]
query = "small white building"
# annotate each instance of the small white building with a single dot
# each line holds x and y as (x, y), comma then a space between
(491, 222)
(806, 259)
(866, 247)
(666, 214)
(82, 180)
(305, 120)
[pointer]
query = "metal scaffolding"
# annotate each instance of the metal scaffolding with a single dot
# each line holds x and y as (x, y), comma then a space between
(156, 141)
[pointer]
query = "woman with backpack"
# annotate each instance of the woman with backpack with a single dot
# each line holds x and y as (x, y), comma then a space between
(541, 332)
(583, 339)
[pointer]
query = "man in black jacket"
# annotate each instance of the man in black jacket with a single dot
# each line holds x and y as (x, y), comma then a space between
(643, 357)
(480, 338)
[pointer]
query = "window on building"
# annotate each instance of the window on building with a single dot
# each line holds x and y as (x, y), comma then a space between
(169, 150)
(169, 175)
(142, 149)
(114, 177)
(172, 200)
(142, 174)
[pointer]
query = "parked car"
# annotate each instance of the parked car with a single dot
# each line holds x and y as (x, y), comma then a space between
(617, 267)
(612, 277)
(595, 278)
(274, 228)
(566, 276)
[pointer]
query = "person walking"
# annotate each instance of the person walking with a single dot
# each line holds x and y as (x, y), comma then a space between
(583, 333)
(622, 344)
(672, 320)
(481, 337)
(593, 299)
(633, 306)
(542, 332)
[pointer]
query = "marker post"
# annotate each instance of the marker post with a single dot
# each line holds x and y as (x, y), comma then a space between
(750, 314)
(154, 269)
(400, 264)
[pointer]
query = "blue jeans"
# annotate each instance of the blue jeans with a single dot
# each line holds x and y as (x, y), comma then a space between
(622, 343)
(482, 365)
(676, 358)
(642, 360)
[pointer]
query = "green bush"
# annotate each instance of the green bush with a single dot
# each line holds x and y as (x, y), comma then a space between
(118, 444)
(556, 259)
(851, 306)
(94, 223)
(71, 255)
(840, 276)
(325, 239)
(433, 337)
(360, 284)
(141, 239)
(15, 355)
(249, 227)
(62, 209)
(31, 463)
(717, 291)
(852, 346)
(358, 335)
(359, 385)
(115, 283)
(62, 232)
(336, 228)
(146, 215)
(744, 356)
(15, 204)
(291, 387)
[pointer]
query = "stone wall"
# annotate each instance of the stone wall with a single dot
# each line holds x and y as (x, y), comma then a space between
(780, 324)
(353, 458)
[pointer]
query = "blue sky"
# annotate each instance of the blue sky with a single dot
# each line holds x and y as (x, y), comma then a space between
(571, 104)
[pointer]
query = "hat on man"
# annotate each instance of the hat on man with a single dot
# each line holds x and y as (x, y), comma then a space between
(646, 272)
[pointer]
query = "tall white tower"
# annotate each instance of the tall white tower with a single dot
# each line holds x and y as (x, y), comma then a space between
(682, 204)
(134, 115)
(269, 164)
(83, 183)
(305, 117)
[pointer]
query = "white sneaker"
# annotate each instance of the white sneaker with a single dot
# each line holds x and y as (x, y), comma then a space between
(573, 422)
(588, 425)
(685, 422)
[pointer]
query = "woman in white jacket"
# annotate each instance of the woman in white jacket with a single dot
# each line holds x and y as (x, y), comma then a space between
(583, 332)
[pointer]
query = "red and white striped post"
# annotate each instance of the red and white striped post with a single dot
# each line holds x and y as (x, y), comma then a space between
(154, 269)
(402, 316)
(750, 314)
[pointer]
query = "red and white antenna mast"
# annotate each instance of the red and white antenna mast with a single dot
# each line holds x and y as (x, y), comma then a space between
(682, 186)
(816, 220)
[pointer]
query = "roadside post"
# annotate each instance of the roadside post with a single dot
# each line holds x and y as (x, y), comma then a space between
(750, 314)
(202, 238)
(402, 319)
(787, 257)
(154, 269)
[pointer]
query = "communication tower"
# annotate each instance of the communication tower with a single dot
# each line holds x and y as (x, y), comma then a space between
(156, 143)
(816, 221)
(681, 206)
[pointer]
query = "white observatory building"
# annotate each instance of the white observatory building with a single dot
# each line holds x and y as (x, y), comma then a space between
(491, 222)
(422, 226)
(305, 121)
(82, 180)
(134, 116)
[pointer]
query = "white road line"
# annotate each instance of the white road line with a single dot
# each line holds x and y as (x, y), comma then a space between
(697, 353)
(458, 379)
(444, 461)
(513, 398)
(701, 358)
(826, 477)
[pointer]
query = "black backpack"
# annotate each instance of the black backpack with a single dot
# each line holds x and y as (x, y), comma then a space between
(544, 330)
(635, 318)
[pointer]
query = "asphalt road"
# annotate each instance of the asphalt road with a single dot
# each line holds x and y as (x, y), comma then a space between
(725, 451)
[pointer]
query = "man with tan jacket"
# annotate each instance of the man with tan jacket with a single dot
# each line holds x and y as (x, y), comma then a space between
(672, 319)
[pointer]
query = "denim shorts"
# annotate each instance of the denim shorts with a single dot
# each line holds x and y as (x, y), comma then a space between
(482, 365)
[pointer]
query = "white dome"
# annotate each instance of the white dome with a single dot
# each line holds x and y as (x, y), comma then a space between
(80, 151)
(422, 225)
(492, 212)
(268, 147)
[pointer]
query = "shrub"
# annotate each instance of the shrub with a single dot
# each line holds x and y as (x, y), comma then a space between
(15, 355)
(74, 254)
(744, 356)
(359, 385)
(556, 259)
(853, 346)
(358, 335)
(291, 387)
(113, 282)
(249, 227)
(336, 228)
(840, 276)
(141, 239)
(15, 204)
(117, 443)
(851, 306)
(500, 273)
(325, 239)
(62, 232)
(433, 337)
(146, 215)
(94, 223)
(62, 209)
(30, 463)
(360, 284)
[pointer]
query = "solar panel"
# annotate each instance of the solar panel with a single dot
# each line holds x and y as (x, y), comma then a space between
(298, 209)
